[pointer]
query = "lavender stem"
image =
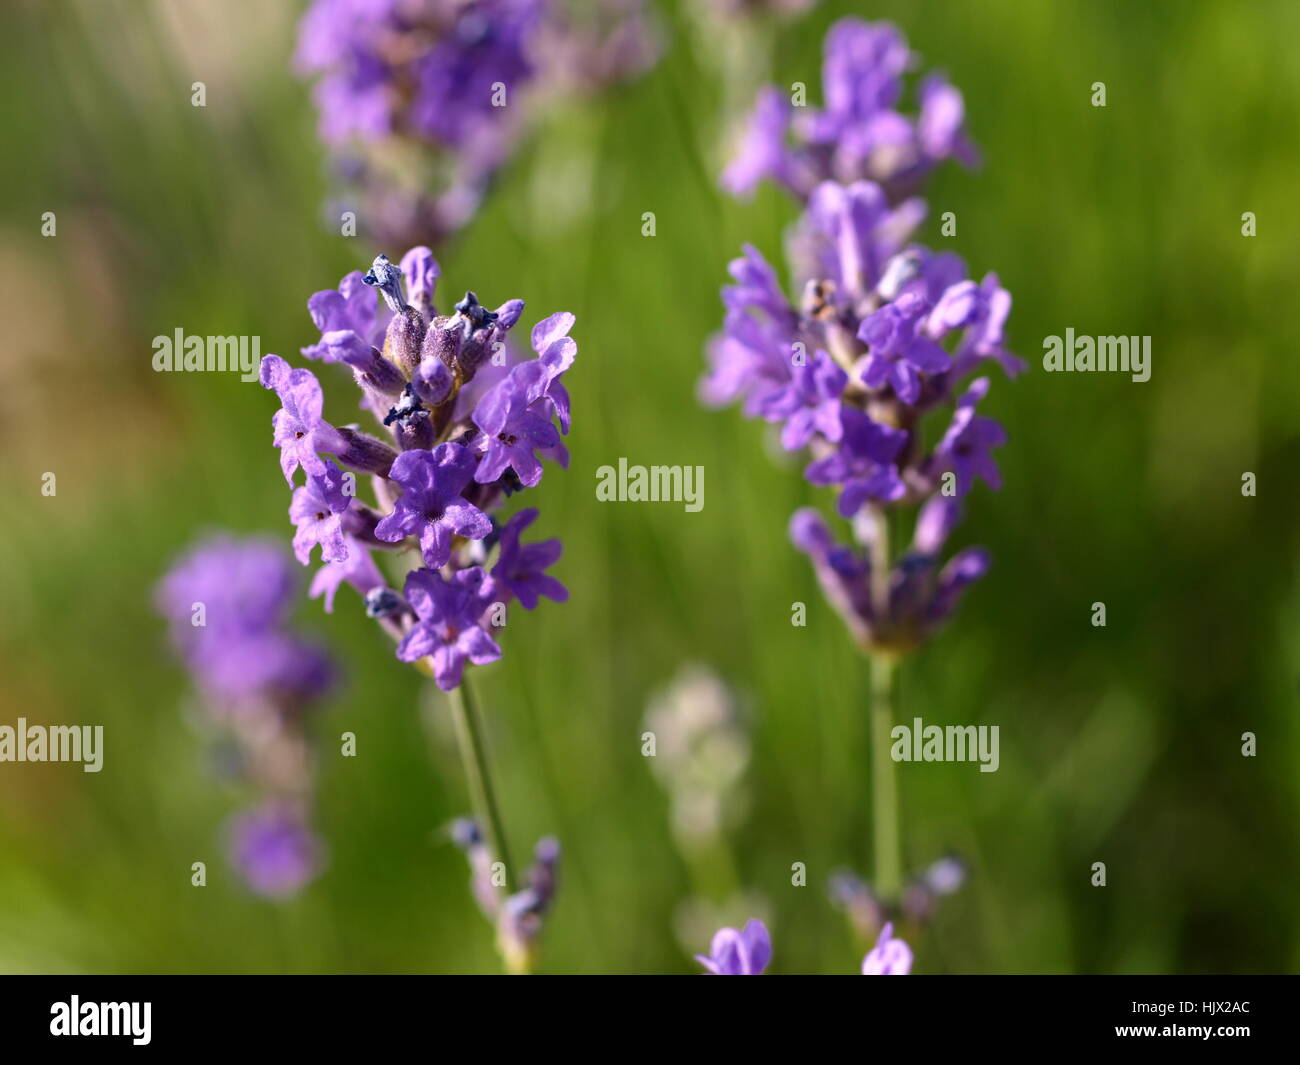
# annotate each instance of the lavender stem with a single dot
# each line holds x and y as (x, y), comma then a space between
(884, 780)
(473, 753)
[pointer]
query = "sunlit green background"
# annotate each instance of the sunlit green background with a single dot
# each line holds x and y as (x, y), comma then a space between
(1119, 744)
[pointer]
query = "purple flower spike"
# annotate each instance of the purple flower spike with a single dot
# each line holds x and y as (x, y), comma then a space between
(274, 850)
(315, 510)
(450, 627)
(863, 464)
(892, 332)
(521, 568)
(431, 506)
(744, 953)
(889, 957)
(465, 430)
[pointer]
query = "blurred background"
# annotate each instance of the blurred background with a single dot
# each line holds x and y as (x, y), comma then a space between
(1119, 744)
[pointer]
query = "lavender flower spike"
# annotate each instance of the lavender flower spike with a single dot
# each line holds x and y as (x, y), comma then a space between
(518, 917)
(468, 417)
(868, 369)
(466, 430)
(227, 602)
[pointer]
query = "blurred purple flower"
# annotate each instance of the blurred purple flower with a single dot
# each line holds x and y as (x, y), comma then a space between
(227, 602)
(421, 101)
(518, 917)
(274, 850)
(860, 133)
(889, 957)
(743, 953)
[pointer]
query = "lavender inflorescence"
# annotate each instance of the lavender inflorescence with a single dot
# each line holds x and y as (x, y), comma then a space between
(422, 101)
(883, 337)
(517, 917)
(468, 422)
(875, 371)
(227, 603)
(883, 341)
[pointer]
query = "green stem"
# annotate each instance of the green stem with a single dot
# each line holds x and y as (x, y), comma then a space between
(884, 781)
(473, 753)
(884, 774)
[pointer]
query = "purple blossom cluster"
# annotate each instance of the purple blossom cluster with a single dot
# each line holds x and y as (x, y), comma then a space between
(747, 953)
(227, 602)
(859, 134)
(881, 342)
(468, 422)
(517, 917)
(421, 101)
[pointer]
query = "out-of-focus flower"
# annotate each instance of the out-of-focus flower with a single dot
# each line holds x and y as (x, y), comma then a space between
(743, 953)
(868, 914)
(859, 133)
(518, 917)
(422, 101)
(228, 601)
(274, 849)
(743, 8)
(889, 957)
(748, 952)
(701, 753)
